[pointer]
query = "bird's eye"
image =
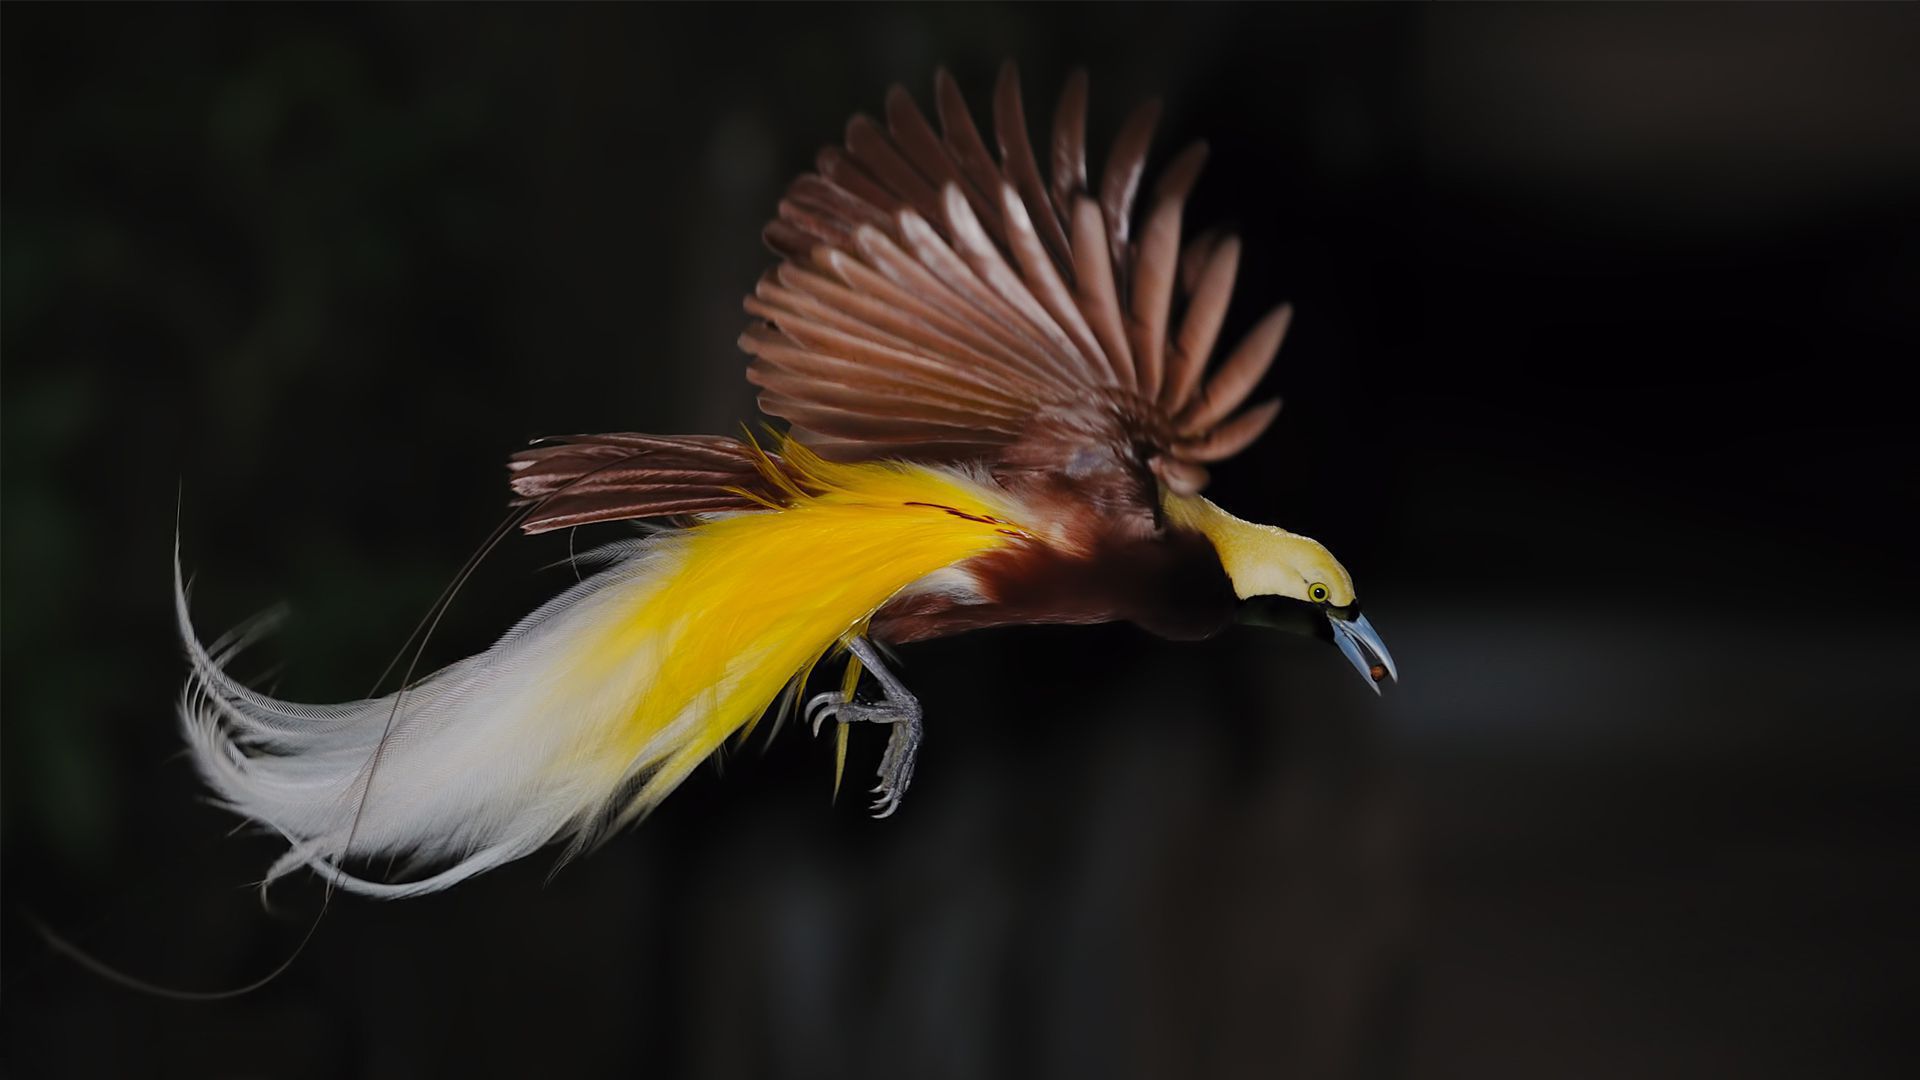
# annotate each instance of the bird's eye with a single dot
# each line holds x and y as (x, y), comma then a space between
(1318, 592)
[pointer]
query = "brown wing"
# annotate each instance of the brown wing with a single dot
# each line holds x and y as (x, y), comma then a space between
(937, 303)
(581, 479)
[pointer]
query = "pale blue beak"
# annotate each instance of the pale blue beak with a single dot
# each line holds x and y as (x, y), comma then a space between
(1362, 645)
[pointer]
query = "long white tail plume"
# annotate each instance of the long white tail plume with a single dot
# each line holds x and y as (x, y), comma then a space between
(481, 763)
(593, 708)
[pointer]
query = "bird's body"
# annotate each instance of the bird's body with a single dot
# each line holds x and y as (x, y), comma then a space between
(996, 420)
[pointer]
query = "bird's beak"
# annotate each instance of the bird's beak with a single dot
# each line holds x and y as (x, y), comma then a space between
(1349, 629)
(1362, 645)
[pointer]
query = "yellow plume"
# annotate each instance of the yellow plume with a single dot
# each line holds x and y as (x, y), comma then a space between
(631, 678)
(757, 599)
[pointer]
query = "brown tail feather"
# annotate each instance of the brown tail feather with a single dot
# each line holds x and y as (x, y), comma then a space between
(576, 479)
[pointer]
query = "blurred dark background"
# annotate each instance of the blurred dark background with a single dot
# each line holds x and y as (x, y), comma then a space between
(1599, 385)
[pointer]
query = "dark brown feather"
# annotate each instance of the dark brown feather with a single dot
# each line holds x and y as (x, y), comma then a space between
(787, 240)
(1096, 291)
(876, 154)
(1070, 144)
(834, 164)
(877, 396)
(828, 353)
(924, 148)
(1121, 178)
(1018, 163)
(1171, 584)
(933, 253)
(1194, 259)
(937, 297)
(877, 423)
(891, 277)
(891, 314)
(1157, 264)
(580, 479)
(1233, 436)
(962, 138)
(972, 243)
(1206, 310)
(1051, 291)
(1239, 374)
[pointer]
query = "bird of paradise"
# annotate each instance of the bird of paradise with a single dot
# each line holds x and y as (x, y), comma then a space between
(994, 419)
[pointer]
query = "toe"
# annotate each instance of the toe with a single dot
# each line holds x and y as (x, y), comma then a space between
(823, 707)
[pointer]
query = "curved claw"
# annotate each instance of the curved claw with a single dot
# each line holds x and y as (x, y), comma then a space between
(822, 706)
(898, 709)
(896, 765)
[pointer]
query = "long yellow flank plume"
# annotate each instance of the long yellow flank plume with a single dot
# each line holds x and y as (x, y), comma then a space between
(598, 705)
(756, 599)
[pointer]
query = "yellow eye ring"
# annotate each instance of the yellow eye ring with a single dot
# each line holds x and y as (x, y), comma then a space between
(1318, 592)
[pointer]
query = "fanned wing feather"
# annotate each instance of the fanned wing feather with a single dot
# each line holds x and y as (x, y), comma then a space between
(1070, 143)
(1240, 373)
(1211, 289)
(1017, 160)
(1121, 179)
(938, 301)
(1095, 289)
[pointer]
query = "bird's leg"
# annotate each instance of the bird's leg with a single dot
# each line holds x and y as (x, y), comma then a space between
(897, 707)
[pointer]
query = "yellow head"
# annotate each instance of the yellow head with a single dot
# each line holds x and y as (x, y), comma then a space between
(1269, 567)
(1264, 560)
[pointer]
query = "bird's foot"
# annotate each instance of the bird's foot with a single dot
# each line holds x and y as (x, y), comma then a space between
(898, 709)
(903, 742)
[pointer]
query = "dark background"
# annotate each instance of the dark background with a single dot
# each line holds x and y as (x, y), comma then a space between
(1599, 385)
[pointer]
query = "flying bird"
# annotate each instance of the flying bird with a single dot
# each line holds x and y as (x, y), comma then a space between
(1000, 410)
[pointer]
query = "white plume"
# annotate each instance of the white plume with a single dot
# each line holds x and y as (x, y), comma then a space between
(479, 764)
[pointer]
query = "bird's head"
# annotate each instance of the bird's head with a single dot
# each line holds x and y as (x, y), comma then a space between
(1287, 581)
